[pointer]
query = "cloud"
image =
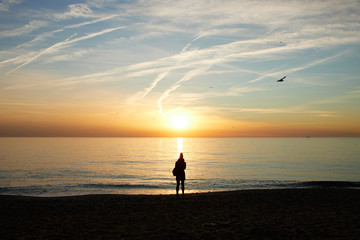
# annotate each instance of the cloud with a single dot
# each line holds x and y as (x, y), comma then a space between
(28, 28)
(210, 15)
(41, 37)
(297, 110)
(346, 98)
(76, 11)
(236, 91)
(99, 3)
(65, 43)
(295, 69)
(6, 4)
(90, 22)
(146, 91)
(188, 76)
(188, 60)
(225, 34)
(46, 35)
(71, 55)
(225, 53)
(213, 55)
(315, 23)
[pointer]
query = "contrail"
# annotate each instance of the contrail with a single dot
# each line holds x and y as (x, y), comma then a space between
(48, 34)
(90, 22)
(146, 91)
(154, 83)
(63, 44)
(316, 62)
(187, 77)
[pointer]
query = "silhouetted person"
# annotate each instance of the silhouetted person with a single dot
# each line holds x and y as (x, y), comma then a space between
(180, 167)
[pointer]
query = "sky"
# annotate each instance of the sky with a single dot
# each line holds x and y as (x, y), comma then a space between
(151, 68)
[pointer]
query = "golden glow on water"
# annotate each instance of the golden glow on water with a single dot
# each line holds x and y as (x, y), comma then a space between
(180, 145)
(73, 166)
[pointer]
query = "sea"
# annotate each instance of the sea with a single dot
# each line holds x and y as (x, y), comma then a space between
(79, 166)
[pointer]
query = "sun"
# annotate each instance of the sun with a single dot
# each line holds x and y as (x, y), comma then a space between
(180, 122)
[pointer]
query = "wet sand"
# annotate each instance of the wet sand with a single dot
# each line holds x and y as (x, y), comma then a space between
(321, 213)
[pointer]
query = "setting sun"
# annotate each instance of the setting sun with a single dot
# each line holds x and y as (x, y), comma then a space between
(179, 122)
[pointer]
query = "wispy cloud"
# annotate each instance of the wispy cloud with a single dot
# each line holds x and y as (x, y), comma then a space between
(90, 22)
(70, 55)
(6, 4)
(193, 60)
(76, 10)
(247, 41)
(99, 3)
(295, 69)
(347, 97)
(146, 91)
(28, 28)
(295, 110)
(43, 36)
(177, 84)
(219, 54)
(65, 43)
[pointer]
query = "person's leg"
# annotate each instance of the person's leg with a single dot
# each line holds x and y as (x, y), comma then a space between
(183, 186)
(177, 186)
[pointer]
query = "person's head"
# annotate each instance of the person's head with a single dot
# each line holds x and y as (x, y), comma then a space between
(181, 156)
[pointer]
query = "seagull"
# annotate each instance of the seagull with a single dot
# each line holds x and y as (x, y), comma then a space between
(281, 80)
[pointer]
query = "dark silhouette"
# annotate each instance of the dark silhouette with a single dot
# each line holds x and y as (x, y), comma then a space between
(281, 79)
(179, 172)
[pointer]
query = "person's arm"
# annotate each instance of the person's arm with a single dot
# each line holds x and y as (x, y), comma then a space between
(184, 165)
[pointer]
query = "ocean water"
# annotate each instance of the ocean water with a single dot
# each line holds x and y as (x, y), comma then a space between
(77, 166)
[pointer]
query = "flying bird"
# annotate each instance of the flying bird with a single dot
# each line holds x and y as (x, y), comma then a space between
(281, 79)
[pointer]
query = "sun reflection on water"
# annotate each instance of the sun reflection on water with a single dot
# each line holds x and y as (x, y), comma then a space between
(180, 145)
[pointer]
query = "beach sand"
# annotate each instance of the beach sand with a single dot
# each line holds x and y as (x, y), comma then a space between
(321, 213)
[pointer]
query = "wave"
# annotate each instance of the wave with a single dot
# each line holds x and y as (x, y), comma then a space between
(25, 191)
(156, 188)
(78, 189)
(230, 185)
(121, 186)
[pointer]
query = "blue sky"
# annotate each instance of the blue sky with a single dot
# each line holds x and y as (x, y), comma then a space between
(124, 68)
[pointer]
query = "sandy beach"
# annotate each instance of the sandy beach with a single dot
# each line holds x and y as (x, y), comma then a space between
(321, 213)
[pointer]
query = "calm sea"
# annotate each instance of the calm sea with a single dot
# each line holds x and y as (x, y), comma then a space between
(77, 166)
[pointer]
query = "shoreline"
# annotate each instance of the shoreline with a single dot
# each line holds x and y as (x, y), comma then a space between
(152, 189)
(309, 213)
